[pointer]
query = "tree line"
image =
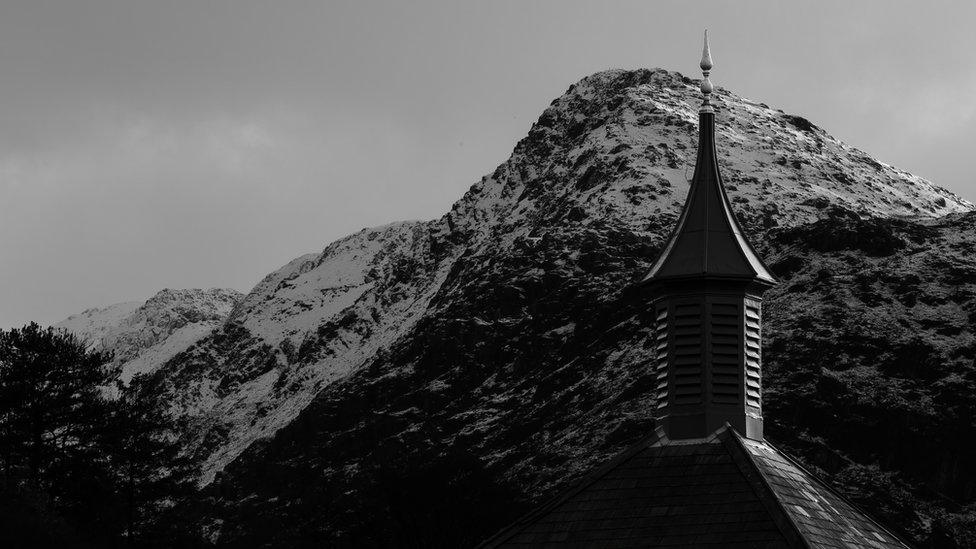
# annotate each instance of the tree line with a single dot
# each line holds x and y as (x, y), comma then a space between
(84, 460)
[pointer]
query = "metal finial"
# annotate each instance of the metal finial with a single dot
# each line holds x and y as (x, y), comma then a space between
(706, 67)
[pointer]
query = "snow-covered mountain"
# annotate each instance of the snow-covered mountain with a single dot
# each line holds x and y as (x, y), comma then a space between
(503, 342)
(616, 149)
(144, 335)
(91, 325)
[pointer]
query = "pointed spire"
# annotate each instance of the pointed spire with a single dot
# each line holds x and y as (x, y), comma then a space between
(708, 240)
(706, 293)
(706, 67)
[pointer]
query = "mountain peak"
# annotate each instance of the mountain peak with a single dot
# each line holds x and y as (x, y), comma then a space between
(142, 335)
(618, 147)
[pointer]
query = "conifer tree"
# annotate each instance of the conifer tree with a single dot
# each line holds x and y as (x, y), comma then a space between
(100, 465)
(51, 406)
(150, 475)
(53, 416)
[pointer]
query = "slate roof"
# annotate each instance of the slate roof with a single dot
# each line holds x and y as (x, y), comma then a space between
(723, 491)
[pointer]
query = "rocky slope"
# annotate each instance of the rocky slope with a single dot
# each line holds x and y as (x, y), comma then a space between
(421, 383)
(143, 336)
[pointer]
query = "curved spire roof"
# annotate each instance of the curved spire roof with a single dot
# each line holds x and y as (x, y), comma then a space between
(708, 241)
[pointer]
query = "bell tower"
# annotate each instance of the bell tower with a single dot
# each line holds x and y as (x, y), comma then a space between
(706, 293)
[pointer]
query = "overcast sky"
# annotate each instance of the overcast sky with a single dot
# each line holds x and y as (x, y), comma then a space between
(150, 145)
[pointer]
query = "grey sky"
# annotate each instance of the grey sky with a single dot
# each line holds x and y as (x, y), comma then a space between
(146, 145)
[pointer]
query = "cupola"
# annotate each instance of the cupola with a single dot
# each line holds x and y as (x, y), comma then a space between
(706, 293)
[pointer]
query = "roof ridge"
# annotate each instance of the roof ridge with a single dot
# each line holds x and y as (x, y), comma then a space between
(816, 478)
(588, 479)
(781, 516)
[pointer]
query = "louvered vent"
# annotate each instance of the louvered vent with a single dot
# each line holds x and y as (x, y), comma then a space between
(726, 366)
(753, 353)
(687, 355)
(660, 363)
